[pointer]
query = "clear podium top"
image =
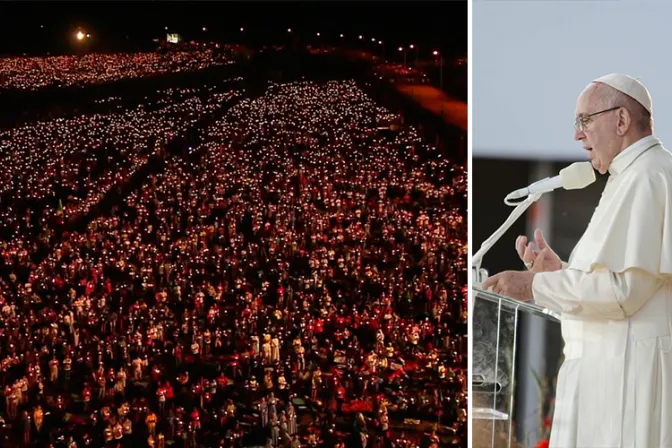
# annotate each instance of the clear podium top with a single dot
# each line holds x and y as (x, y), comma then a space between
(509, 304)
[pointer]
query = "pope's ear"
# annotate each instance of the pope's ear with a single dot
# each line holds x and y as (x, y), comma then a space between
(624, 121)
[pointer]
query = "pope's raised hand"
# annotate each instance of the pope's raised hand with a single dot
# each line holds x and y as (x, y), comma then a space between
(544, 260)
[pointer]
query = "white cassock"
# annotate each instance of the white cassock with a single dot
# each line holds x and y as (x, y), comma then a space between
(615, 386)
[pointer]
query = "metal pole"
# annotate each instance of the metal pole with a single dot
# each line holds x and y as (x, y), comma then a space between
(441, 73)
(534, 331)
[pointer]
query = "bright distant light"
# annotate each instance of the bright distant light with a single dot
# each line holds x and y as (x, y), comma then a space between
(205, 28)
(410, 46)
(380, 42)
(88, 35)
(401, 48)
(289, 30)
(166, 28)
(242, 29)
(435, 53)
(341, 35)
(318, 34)
(361, 37)
(80, 35)
(373, 39)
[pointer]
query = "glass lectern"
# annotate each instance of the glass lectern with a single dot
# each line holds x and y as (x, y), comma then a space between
(496, 320)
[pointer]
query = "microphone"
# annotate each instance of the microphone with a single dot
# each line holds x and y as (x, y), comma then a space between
(574, 177)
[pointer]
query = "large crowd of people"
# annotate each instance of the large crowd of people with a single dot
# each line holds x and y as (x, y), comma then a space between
(297, 279)
(53, 172)
(34, 73)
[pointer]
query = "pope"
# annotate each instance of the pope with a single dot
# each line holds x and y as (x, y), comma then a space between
(614, 293)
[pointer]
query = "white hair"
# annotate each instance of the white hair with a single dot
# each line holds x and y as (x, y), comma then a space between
(610, 97)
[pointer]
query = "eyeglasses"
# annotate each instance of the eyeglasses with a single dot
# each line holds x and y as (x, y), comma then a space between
(583, 120)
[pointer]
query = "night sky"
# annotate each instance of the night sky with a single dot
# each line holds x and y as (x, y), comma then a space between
(45, 26)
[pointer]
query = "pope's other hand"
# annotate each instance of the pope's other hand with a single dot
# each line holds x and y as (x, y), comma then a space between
(514, 284)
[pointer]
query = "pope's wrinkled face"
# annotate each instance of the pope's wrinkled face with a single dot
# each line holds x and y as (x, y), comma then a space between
(599, 135)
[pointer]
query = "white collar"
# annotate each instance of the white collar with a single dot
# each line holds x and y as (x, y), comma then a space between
(629, 154)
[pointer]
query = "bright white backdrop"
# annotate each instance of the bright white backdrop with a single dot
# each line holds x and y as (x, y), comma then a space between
(531, 59)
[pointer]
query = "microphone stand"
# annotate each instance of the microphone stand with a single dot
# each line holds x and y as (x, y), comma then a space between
(480, 275)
